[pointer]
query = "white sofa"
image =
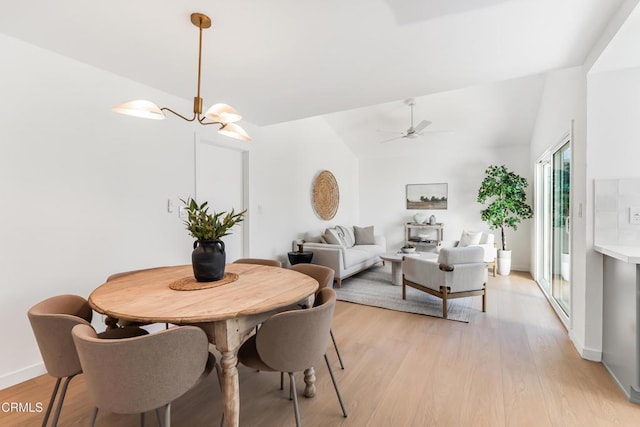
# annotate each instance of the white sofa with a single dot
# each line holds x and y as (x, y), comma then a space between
(345, 258)
(472, 238)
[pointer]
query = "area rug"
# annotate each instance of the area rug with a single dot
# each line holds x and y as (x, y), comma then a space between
(373, 287)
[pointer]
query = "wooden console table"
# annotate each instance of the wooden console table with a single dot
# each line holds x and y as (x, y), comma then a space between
(412, 231)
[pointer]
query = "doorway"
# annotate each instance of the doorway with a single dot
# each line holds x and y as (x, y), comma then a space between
(553, 210)
(221, 178)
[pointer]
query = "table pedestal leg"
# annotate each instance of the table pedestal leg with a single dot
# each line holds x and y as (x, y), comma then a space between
(396, 273)
(227, 340)
(310, 381)
(230, 388)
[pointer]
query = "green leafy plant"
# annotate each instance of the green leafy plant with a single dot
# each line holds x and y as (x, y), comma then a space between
(205, 226)
(504, 191)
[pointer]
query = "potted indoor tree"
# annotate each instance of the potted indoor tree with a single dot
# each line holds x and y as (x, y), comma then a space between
(208, 256)
(503, 190)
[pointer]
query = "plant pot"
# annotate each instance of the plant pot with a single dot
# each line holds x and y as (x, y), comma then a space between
(565, 266)
(504, 262)
(208, 259)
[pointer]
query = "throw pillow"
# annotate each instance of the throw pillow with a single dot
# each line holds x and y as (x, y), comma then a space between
(487, 239)
(364, 235)
(331, 237)
(469, 238)
(346, 236)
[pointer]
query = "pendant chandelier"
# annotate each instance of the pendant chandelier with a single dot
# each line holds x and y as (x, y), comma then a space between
(219, 114)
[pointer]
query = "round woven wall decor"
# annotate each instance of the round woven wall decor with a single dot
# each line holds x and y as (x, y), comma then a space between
(326, 196)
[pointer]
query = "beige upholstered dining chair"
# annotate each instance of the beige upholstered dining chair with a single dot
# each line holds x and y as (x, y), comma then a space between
(293, 341)
(324, 276)
(52, 321)
(260, 261)
(457, 273)
(144, 373)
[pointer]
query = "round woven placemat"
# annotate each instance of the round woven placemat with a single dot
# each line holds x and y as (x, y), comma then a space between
(191, 284)
(326, 196)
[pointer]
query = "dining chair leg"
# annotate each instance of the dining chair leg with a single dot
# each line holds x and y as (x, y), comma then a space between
(291, 390)
(443, 290)
(336, 347)
(167, 415)
(63, 392)
(51, 402)
(257, 370)
(296, 410)
(159, 417)
(335, 385)
(219, 372)
(281, 380)
(94, 416)
(142, 419)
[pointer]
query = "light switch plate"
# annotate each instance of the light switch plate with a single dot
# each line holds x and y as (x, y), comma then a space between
(183, 213)
(634, 215)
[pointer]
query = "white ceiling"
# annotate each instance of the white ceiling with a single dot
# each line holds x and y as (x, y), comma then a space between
(282, 60)
(475, 118)
(622, 51)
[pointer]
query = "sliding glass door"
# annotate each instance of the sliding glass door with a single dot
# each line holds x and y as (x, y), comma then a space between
(561, 248)
(554, 226)
(544, 215)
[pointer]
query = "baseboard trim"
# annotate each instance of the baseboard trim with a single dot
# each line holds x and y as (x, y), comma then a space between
(633, 394)
(16, 377)
(586, 353)
(524, 268)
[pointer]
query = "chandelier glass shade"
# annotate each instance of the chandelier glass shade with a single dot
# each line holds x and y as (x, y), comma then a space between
(218, 114)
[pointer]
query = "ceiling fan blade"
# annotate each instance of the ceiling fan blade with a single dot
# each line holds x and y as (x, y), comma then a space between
(423, 124)
(435, 131)
(394, 132)
(403, 135)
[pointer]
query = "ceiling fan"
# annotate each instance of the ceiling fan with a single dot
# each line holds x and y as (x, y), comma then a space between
(412, 131)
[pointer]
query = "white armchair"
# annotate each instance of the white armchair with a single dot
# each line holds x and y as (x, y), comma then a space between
(484, 240)
(457, 273)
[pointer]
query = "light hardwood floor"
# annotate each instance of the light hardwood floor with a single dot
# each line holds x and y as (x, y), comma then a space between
(511, 366)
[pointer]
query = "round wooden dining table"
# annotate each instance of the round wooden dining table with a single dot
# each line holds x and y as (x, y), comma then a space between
(227, 313)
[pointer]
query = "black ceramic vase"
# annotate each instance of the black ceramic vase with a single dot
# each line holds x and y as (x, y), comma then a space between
(208, 259)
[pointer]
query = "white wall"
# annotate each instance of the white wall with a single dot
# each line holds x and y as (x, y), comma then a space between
(604, 111)
(472, 128)
(613, 108)
(383, 191)
(84, 190)
(285, 160)
(564, 102)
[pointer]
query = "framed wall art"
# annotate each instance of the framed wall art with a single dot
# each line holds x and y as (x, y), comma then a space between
(427, 196)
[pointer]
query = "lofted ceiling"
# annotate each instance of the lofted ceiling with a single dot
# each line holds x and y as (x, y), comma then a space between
(283, 60)
(479, 117)
(622, 51)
